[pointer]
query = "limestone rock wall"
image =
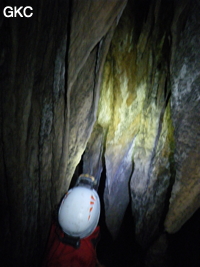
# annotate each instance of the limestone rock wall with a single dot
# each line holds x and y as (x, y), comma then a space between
(90, 36)
(134, 107)
(185, 102)
(51, 67)
(30, 131)
(149, 108)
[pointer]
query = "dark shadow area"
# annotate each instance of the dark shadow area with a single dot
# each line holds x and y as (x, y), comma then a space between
(124, 251)
(184, 246)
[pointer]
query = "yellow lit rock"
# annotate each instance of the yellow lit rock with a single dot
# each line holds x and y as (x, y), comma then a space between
(139, 139)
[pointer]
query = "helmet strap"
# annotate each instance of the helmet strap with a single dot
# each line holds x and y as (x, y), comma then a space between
(70, 240)
(67, 239)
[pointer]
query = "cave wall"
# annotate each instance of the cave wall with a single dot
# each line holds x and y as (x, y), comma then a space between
(139, 141)
(149, 106)
(31, 100)
(185, 105)
(85, 81)
(51, 66)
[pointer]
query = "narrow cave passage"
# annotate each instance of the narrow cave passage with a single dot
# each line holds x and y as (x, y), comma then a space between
(130, 67)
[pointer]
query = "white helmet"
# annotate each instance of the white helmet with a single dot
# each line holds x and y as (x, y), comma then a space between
(79, 211)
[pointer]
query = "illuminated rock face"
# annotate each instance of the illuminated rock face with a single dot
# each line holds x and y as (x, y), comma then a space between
(149, 108)
(134, 107)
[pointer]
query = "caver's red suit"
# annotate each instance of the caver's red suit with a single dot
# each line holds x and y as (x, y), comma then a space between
(60, 254)
(74, 235)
